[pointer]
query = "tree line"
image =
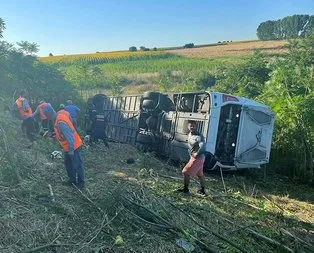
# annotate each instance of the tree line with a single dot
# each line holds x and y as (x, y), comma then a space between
(20, 69)
(290, 27)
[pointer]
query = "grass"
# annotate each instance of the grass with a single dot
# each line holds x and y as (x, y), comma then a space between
(133, 207)
(169, 64)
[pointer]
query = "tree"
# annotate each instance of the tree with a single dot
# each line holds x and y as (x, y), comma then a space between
(189, 45)
(2, 27)
(28, 48)
(50, 54)
(142, 48)
(132, 49)
(266, 30)
(290, 27)
(5, 48)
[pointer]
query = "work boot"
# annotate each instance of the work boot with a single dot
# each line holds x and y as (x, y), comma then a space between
(68, 183)
(201, 191)
(185, 189)
(80, 185)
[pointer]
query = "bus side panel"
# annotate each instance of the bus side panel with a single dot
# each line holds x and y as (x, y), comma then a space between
(121, 116)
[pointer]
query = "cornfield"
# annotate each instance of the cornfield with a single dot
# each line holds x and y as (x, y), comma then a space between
(106, 57)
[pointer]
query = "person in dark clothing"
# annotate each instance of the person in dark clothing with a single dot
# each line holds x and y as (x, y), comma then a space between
(25, 112)
(46, 124)
(97, 128)
(74, 112)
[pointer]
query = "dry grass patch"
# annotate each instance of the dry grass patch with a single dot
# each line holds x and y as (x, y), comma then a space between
(234, 49)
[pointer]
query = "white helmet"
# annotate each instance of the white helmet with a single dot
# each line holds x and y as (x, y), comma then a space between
(56, 154)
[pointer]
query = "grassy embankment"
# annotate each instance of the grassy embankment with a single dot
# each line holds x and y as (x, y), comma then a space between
(133, 207)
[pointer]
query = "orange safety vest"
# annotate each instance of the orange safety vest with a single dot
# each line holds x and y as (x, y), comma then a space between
(41, 110)
(63, 116)
(19, 104)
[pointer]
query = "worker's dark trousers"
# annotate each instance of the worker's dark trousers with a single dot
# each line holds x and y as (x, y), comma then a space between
(47, 125)
(99, 134)
(28, 128)
(75, 168)
(74, 121)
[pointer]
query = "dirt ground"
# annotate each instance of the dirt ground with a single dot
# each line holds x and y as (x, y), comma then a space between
(233, 49)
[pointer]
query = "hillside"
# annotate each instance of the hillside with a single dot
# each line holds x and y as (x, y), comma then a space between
(134, 207)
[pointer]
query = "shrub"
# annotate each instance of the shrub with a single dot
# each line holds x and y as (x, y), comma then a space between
(189, 45)
(132, 49)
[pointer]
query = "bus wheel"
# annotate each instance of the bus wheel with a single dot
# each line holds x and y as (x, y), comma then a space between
(210, 162)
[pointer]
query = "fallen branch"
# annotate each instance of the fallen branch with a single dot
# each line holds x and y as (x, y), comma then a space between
(271, 241)
(148, 222)
(200, 243)
(104, 225)
(172, 228)
(208, 230)
(48, 246)
(273, 202)
(51, 193)
(222, 179)
(148, 210)
(51, 244)
(89, 200)
(306, 244)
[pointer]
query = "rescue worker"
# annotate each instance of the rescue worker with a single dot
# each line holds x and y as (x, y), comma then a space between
(195, 165)
(74, 112)
(71, 142)
(25, 112)
(46, 124)
(97, 128)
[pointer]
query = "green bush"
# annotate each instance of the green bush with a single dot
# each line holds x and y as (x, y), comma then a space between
(189, 45)
(132, 49)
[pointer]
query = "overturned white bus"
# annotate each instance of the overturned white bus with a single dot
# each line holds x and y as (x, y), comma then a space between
(238, 131)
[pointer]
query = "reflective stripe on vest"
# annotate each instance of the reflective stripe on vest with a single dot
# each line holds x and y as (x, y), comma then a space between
(63, 116)
(19, 104)
(41, 110)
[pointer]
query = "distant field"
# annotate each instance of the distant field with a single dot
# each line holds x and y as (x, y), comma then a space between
(182, 64)
(242, 48)
(104, 57)
(224, 49)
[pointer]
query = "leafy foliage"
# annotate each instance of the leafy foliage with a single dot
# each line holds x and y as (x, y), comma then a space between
(28, 48)
(290, 92)
(189, 45)
(2, 27)
(132, 49)
(291, 27)
(246, 79)
(19, 71)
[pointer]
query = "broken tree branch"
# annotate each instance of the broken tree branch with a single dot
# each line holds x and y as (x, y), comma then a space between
(208, 230)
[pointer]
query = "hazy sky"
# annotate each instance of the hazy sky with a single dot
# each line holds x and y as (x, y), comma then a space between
(87, 26)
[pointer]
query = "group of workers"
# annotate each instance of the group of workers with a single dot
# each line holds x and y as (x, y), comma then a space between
(62, 125)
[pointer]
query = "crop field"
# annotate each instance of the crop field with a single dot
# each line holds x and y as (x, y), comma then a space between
(233, 49)
(104, 57)
(242, 48)
(182, 64)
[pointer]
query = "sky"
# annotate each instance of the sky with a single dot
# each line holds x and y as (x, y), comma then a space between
(86, 26)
